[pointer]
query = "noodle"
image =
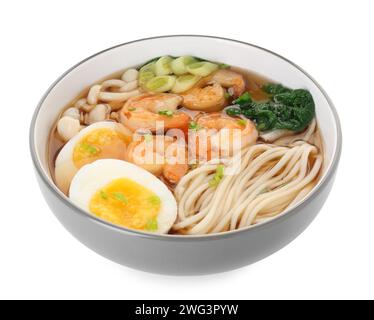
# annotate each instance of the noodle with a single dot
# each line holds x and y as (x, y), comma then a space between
(271, 179)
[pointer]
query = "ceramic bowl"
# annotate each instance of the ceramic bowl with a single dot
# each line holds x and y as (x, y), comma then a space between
(173, 254)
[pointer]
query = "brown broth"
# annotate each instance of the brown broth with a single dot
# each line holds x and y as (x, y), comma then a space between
(254, 83)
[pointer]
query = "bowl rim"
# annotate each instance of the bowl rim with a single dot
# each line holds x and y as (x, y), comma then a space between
(325, 179)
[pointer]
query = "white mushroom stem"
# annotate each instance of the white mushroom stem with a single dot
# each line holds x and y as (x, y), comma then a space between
(68, 127)
(112, 83)
(130, 75)
(99, 113)
(93, 94)
(80, 103)
(88, 107)
(130, 86)
(117, 96)
(72, 113)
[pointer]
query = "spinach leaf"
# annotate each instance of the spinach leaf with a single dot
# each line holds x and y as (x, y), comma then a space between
(286, 109)
(245, 98)
(265, 120)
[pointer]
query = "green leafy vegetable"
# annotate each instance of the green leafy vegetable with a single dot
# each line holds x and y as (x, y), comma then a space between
(120, 197)
(132, 109)
(243, 99)
(167, 113)
(214, 182)
(265, 120)
(286, 109)
(234, 111)
(151, 224)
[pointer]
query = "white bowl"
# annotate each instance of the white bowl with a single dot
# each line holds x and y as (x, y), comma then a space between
(173, 254)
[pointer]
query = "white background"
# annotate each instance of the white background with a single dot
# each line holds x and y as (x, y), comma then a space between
(332, 40)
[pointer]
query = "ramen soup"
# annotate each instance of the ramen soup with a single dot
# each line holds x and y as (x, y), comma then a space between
(187, 146)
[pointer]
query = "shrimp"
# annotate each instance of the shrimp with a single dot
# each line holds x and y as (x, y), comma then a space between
(219, 135)
(209, 93)
(160, 155)
(142, 112)
(209, 98)
(230, 79)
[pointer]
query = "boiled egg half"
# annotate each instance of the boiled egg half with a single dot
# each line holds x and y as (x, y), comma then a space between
(101, 140)
(124, 194)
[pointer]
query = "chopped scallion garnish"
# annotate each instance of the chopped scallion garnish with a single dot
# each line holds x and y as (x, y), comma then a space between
(148, 138)
(154, 200)
(194, 126)
(167, 113)
(242, 122)
(151, 225)
(120, 197)
(214, 182)
(103, 195)
(89, 148)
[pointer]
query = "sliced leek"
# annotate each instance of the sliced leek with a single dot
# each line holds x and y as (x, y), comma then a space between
(162, 66)
(202, 68)
(146, 73)
(160, 83)
(179, 65)
(185, 82)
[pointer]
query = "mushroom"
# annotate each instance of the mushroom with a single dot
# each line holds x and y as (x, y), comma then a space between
(93, 94)
(72, 113)
(80, 103)
(98, 113)
(117, 96)
(68, 127)
(129, 86)
(112, 83)
(130, 75)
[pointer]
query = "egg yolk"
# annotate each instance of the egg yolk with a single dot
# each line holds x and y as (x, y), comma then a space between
(127, 203)
(103, 143)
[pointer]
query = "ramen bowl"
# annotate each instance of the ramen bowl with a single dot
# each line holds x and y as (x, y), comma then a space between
(176, 254)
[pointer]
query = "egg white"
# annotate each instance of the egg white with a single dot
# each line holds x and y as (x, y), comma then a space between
(65, 168)
(93, 177)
